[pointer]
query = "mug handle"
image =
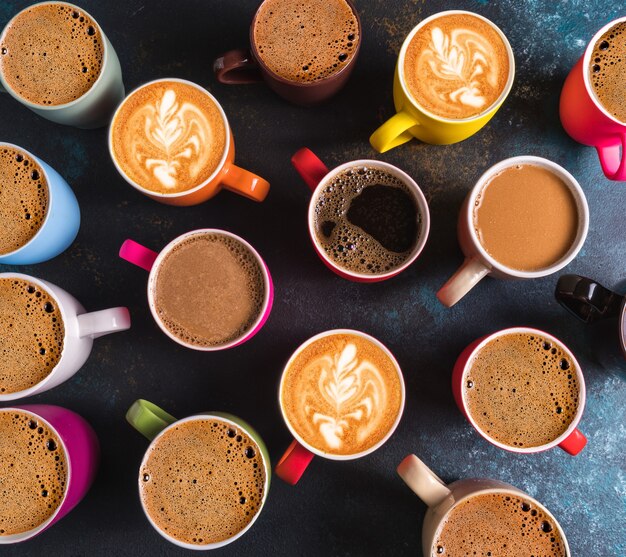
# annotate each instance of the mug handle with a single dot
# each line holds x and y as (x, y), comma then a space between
(148, 419)
(245, 183)
(293, 463)
(393, 132)
(138, 255)
(237, 67)
(423, 481)
(99, 323)
(613, 159)
(309, 166)
(574, 442)
(587, 299)
(459, 284)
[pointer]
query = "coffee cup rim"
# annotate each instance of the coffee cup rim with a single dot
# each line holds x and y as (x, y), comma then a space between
(267, 288)
(503, 94)
(234, 421)
(582, 393)
(51, 108)
(387, 352)
(184, 193)
(574, 187)
(23, 536)
(420, 201)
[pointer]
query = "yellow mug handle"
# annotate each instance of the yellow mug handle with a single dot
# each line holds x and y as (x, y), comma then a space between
(393, 132)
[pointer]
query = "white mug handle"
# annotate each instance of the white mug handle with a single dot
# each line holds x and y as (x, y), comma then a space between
(461, 282)
(99, 323)
(423, 481)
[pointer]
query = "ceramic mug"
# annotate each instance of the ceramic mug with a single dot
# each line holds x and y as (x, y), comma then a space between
(150, 261)
(80, 328)
(60, 225)
(152, 422)
(478, 263)
(227, 175)
(441, 499)
(94, 108)
(587, 121)
(316, 175)
(572, 441)
(80, 445)
(242, 66)
(414, 121)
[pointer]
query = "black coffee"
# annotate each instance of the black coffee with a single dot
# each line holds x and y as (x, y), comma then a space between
(367, 220)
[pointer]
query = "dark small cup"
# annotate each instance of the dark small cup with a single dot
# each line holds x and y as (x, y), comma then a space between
(243, 66)
(604, 309)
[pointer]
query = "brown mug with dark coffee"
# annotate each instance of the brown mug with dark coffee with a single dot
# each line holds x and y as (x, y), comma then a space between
(304, 50)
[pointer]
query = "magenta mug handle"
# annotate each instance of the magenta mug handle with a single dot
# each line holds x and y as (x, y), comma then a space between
(613, 159)
(138, 255)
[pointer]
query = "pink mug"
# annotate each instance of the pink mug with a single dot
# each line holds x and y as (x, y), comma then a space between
(587, 121)
(82, 453)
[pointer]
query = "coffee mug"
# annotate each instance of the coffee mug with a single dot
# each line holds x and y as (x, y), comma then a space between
(586, 120)
(317, 176)
(355, 386)
(152, 262)
(604, 309)
(79, 329)
(413, 120)
(478, 262)
(94, 108)
(154, 423)
(443, 499)
(79, 446)
(571, 440)
(170, 117)
(241, 66)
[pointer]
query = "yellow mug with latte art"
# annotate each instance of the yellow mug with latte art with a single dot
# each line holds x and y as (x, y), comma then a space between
(453, 73)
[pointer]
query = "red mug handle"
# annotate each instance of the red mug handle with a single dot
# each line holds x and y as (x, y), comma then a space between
(613, 159)
(309, 166)
(138, 255)
(293, 463)
(237, 67)
(574, 442)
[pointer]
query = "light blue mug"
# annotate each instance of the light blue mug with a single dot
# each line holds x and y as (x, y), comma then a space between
(61, 222)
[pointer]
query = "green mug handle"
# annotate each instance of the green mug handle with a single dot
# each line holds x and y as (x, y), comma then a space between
(148, 419)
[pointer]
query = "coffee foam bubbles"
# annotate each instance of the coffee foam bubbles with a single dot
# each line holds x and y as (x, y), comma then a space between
(33, 472)
(32, 333)
(203, 481)
(168, 136)
(23, 198)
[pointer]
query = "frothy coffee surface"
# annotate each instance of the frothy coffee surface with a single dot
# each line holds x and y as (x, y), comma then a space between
(51, 54)
(342, 394)
(367, 220)
(456, 66)
(306, 40)
(501, 525)
(33, 472)
(607, 70)
(168, 136)
(526, 217)
(209, 289)
(31, 339)
(203, 481)
(522, 390)
(23, 198)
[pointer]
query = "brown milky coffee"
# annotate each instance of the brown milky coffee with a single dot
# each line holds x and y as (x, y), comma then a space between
(342, 394)
(522, 390)
(33, 472)
(526, 217)
(168, 136)
(607, 70)
(23, 198)
(501, 525)
(51, 54)
(456, 66)
(203, 481)
(209, 289)
(31, 334)
(306, 41)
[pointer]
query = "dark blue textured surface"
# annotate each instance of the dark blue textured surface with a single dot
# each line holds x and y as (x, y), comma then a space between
(352, 508)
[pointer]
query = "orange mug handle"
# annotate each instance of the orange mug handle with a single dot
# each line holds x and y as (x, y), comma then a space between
(245, 183)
